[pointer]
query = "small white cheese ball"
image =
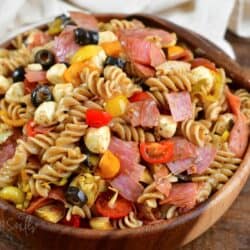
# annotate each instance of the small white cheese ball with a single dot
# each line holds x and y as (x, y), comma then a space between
(4, 84)
(45, 113)
(107, 36)
(15, 92)
(167, 126)
(204, 76)
(35, 67)
(55, 73)
(62, 89)
(97, 139)
(99, 59)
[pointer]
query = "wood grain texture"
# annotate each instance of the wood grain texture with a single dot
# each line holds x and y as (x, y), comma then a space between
(232, 231)
(23, 231)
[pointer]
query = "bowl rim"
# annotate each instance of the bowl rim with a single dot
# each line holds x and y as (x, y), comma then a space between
(240, 174)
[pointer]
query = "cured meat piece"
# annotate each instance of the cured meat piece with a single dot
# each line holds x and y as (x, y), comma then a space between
(138, 113)
(180, 105)
(127, 186)
(65, 45)
(182, 195)
(84, 20)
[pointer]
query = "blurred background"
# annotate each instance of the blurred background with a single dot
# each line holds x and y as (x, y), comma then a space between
(210, 18)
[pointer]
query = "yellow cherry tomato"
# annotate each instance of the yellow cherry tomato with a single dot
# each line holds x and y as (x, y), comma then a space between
(116, 106)
(112, 48)
(85, 53)
(109, 165)
(72, 74)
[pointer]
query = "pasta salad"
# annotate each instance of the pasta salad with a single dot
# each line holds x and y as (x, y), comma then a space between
(113, 125)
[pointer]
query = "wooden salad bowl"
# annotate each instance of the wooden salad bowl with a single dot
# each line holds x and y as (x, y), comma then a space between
(23, 231)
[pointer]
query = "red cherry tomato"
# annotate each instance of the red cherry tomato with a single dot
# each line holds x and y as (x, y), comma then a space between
(97, 118)
(121, 207)
(29, 86)
(157, 152)
(74, 222)
(32, 129)
(203, 62)
(140, 96)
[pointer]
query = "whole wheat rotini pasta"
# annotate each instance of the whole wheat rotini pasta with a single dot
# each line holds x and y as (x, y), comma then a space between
(127, 130)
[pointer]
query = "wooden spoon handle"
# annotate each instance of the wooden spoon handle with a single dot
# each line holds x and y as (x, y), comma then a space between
(209, 50)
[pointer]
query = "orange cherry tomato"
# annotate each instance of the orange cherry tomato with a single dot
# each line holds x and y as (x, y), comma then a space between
(112, 48)
(121, 207)
(157, 152)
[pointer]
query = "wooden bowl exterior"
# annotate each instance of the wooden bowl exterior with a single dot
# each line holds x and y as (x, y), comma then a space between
(24, 231)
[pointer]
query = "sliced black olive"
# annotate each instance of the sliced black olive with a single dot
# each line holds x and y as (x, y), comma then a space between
(45, 58)
(119, 62)
(18, 74)
(84, 37)
(41, 94)
(75, 196)
(183, 178)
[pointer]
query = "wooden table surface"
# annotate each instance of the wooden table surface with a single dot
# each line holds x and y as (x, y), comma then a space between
(232, 231)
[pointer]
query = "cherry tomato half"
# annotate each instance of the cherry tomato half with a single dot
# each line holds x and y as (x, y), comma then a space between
(157, 152)
(203, 62)
(97, 118)
(140, 96)
(121, 207)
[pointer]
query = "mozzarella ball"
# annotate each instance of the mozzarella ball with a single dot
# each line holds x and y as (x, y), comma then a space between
(167, 126)
(202, 75)
(45, 113)
(62, 89)
(4, 85)
(99, 59)
(56, 72)
(97, 139)
(15, 92)
(35, 67)
(107, 36)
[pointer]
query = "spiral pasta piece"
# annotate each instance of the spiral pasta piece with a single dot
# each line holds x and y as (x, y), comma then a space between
(12, 168)
(15, 58)
(72, 133)
(196, 132)
(171, 82)
(62, 162)
(124, 84)
(129, 221)
(129, 133)
(15, 111)
(116, 24)
(150, 196)
(39, 143)
(83, 212)
(160, 98)
(219, 172)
